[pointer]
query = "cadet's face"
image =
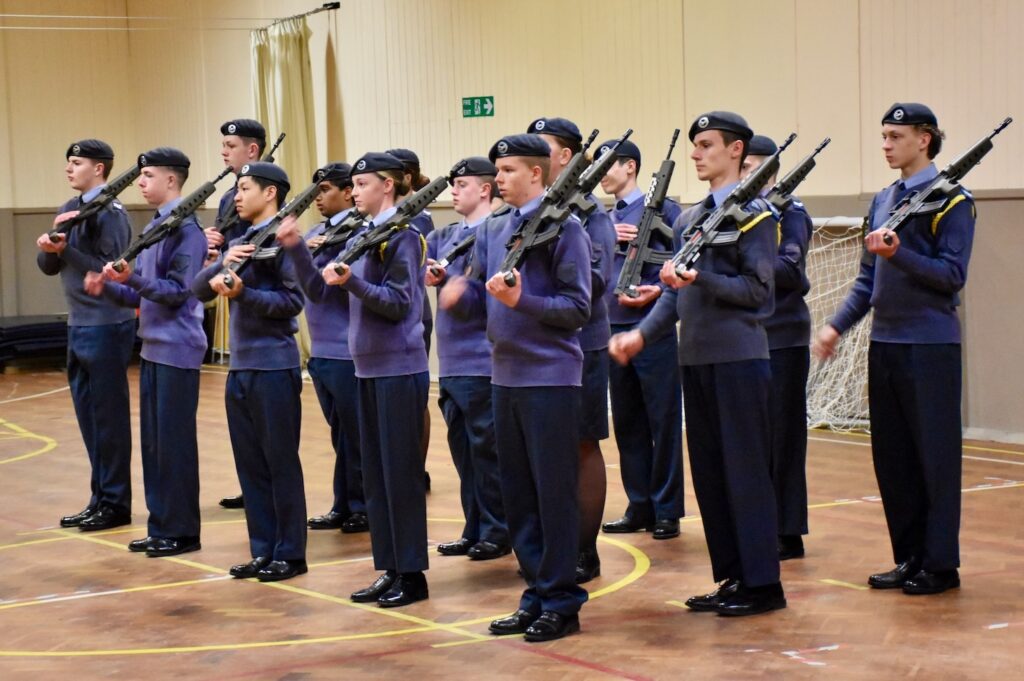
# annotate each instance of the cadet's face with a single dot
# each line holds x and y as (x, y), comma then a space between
(155, 184)
(560, 156)
(711, 157)
(903, 145)
(331, 200)
(251, 199)
(235, 152)
(369, 191)
(750, 164)
(514, 179)
(617, 177)
(467, 194)
(83, 173)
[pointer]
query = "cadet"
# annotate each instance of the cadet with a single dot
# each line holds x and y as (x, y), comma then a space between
(101, 335)
(173, 345)
(789, 338)
(385, 336)
(536, 369)
(726, 375)
(465, 373)
(264, 382)
(331, 366)
(565, 140)
(914, 363)
(646, 399)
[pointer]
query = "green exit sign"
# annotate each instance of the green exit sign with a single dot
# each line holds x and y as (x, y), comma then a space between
(475, 107)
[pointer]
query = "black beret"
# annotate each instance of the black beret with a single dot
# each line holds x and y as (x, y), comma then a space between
(721, 120)
(474, 166)
(269, 172)
(408, 157)
(339, 173)
(164, 156)
(910, 113)
(96, 149)
(559, 127)
(375, 161)
(244, 127)
(625, 150)
(519, 145)
(761, 145)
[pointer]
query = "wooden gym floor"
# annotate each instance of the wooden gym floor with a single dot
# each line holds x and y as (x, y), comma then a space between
(76, 605)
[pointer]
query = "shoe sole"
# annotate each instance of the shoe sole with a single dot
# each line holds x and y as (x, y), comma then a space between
(280, 578)
(164, 554)
(629, 531)
(929, 592)
(709, 607)
(883, 587)
(394, 604)
(573, 628)
(666, 536)
(726, 613)
(488, 557)
(85, 528)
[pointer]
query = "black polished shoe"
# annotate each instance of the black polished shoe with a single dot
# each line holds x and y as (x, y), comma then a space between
(375, 590)
(666, 528)
(75, 519)
(485, 550)
(790, 546)
(516, 623)
(925, 582)
(233, 502)
(710, 602)
(105, 518)
(277, 570)
(408, 588)
(551, 625)
(172, 546)
(894, 579)
(250, 569)
(357, 522)
(625, 524)
(140, 545)
(459, 547)
(328, 521)
(752, 601)
(588, 566)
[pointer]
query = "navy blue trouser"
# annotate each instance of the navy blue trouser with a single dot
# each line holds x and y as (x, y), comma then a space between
(789, 436)
(264, 418)
(647, 415)
(729, 438)
(594, 396)
(391, 414)
(98, 359)
(168, 401)
(337, 389)
(465, 402)
(538, 454)
(914, 397)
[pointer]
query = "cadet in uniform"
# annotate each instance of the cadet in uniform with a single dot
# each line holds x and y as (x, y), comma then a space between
(646, 399)
(914, 363)
(536, 369)
(465, 373)
(385, 336)
(264, 383)
(173, 345)
(789, 338)
(565, 140)
(330, 365)
(726, 375)
(101, 335)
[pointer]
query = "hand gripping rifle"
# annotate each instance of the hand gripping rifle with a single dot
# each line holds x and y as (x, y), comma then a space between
(552, 210)
(781, 195)
(703, 233)
(639, 251)
(264, 237)
(98, 203)
(939, 191)
(340, 233)
(232, 219)
(169, 224)
(462, 247)
(577, 201)
(407, 210)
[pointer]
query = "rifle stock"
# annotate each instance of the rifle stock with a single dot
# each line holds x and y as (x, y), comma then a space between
(99, 202)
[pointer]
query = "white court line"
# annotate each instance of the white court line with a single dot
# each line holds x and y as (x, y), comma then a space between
(32, 397)
(868, 444)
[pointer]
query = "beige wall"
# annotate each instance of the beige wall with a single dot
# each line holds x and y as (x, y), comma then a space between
(393, 72)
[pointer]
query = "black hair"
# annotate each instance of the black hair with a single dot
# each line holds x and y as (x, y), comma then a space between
(263, 183)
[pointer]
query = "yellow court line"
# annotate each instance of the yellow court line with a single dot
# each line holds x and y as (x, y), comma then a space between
(49, 444)
(34, 541)
(829, 504)
(678, 604)
(115, 592)
(847, 585)
(866, 436)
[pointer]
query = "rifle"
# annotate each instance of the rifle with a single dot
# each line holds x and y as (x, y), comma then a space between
(552, 210)
(462, 247)
(781, 195)
(407, 210)
(339, 233)
(99, 202)
(578, 201)
(189, 205)
(232, 219)
(703, 233)
(639, 251)
(263, 237)
(941, 189)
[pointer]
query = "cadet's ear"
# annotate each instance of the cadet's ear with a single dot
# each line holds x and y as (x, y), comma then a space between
(254, 151)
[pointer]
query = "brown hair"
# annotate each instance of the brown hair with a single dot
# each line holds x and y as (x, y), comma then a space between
(260, 144)
(398, 176)
(935, 143)
(489, 180)
(728, 137)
